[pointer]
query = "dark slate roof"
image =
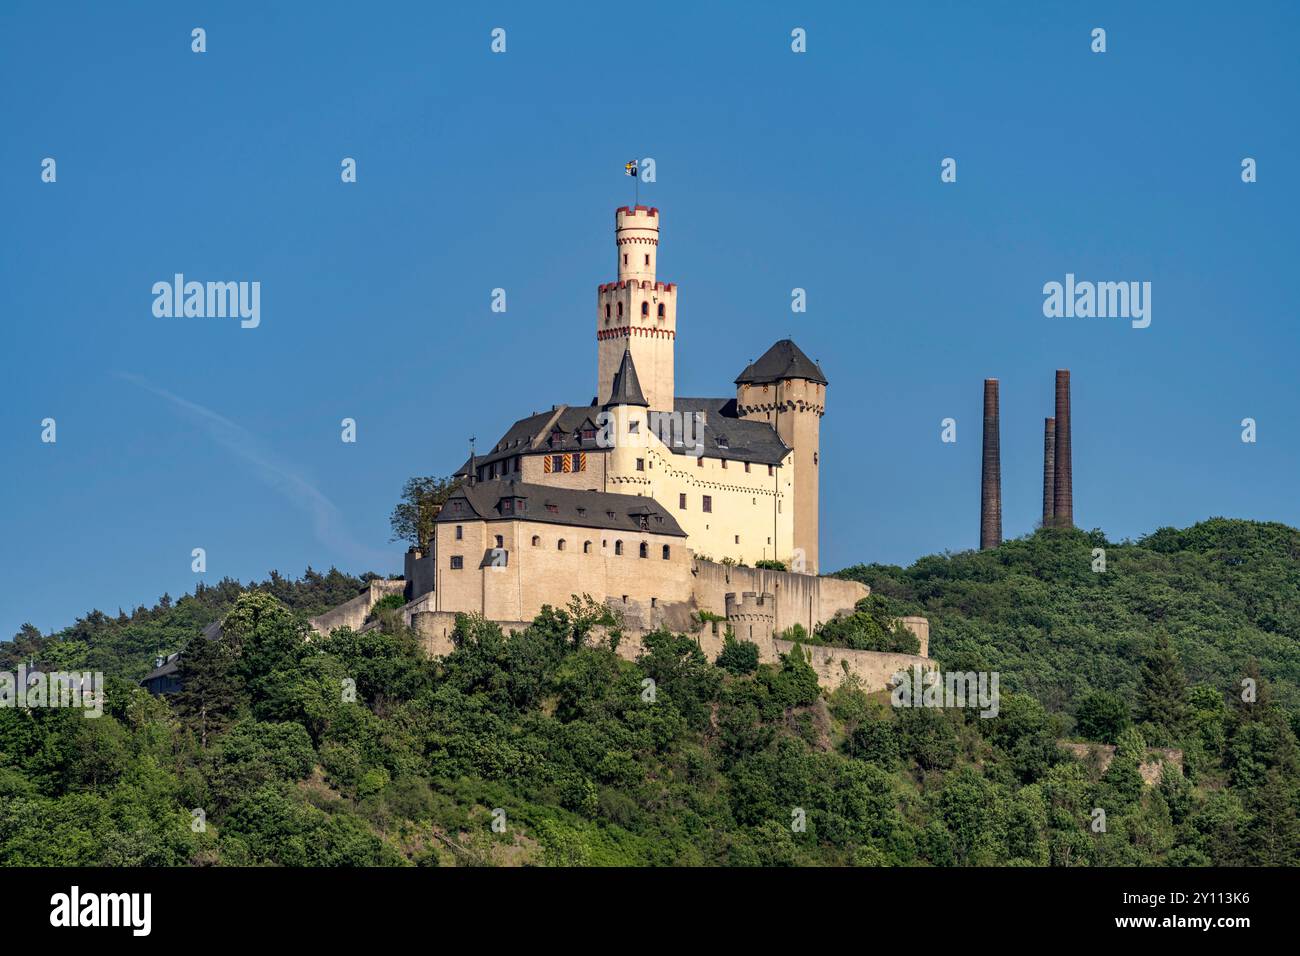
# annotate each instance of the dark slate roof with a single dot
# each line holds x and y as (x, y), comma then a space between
(726, 436)
(170, 666)
(558, 430)
(783, 360)
(627, 389)
(583, 509)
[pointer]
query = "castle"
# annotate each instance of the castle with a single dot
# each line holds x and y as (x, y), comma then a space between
(671, 510)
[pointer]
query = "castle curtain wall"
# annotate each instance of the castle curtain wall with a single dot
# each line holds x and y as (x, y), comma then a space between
(657, 590)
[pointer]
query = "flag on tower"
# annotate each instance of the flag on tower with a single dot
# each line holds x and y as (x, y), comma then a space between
(631, 167)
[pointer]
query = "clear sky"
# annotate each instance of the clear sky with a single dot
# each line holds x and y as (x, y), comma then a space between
(775, 170)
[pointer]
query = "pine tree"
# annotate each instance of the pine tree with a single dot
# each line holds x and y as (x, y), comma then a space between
(1162, 691)
(209, 691)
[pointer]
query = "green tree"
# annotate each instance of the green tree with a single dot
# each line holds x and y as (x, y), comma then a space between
(209, 694)
(1101, 716)
(1162, 688)
(737, 656)
(413, 517)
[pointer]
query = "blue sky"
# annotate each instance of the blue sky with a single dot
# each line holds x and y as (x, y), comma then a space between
(774, 171)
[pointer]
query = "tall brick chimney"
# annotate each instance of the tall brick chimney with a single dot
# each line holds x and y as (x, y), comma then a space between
(991, 476)
(1063, 481)
(1049, 471)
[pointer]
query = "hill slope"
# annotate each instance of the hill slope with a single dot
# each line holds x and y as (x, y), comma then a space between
(532, 748)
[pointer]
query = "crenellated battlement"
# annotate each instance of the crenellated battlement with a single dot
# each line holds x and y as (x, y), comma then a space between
(670, 287)
(751, 607)
(623, 213)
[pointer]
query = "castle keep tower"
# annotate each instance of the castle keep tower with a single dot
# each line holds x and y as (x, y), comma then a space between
(787, 389)
(636, 313)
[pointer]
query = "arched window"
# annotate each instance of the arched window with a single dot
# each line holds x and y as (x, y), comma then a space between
(667, 552)
(536, 541)
(645, 310)
(645, 550)
(586, 547)
(618, 547)
(559, 545)
(661, 310)
(620, 310)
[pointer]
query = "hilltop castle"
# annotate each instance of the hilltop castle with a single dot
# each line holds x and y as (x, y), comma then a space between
(657, 505)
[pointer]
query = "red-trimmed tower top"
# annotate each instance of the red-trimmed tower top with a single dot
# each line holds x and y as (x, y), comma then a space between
(636, 312)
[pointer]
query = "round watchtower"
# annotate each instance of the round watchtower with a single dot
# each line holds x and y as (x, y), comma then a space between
(636, 234)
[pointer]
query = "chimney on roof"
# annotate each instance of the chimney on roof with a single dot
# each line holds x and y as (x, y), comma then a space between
(1049, 471)
(1063, 490)
(991, 475)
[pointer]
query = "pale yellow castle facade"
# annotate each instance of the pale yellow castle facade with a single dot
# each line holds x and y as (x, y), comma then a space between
(675, 511)
(618, 497)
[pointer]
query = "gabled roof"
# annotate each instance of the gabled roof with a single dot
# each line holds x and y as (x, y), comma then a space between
(567, 506)
(627, 389)
(533, 434)
(783, 360)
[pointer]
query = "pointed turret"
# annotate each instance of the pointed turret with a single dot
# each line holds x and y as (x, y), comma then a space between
(626, 389)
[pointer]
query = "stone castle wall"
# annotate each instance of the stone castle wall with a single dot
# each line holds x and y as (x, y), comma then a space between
(832, 664)
(353, 613)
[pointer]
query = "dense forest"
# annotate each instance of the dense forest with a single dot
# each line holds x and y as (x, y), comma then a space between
(539, 748)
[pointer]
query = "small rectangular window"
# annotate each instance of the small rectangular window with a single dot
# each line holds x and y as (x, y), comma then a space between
(708, 503)
(460, 532)
(640, 464)
(457, 562)
(681, 501)
(746, 467)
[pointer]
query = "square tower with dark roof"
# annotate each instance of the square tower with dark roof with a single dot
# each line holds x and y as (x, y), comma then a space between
(787, 390)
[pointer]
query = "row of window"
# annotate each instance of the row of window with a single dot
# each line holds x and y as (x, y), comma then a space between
(458, 561)
(645, 311)
(560, 464)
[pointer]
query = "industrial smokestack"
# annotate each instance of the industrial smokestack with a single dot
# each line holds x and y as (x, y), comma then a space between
(991, 477)
(1049, 471)
(1063, 490)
